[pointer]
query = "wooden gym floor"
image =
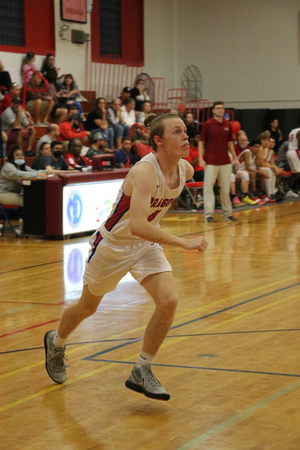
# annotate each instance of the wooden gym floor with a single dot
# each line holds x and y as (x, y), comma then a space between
(230, 361)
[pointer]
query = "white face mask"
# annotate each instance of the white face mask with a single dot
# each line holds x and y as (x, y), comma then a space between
(19, 162)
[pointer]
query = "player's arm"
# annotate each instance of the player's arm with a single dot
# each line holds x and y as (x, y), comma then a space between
(140, 185)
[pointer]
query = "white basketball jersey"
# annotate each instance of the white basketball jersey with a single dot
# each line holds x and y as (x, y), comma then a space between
(116, 227)
(252, 160)
(293, 141)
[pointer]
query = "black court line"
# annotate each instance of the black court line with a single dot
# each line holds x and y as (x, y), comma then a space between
(214, 369)
(135, 339)
(31, 267)
(95, 355)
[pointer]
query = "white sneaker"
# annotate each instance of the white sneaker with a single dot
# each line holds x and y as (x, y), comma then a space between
(291, 194)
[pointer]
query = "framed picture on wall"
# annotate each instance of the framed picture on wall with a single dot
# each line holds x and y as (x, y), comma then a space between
(73, 10)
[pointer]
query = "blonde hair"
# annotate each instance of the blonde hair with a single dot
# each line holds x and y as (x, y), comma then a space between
(156, 124)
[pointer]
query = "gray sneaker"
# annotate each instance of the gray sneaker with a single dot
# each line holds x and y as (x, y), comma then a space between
(55, 364)
(142, 380)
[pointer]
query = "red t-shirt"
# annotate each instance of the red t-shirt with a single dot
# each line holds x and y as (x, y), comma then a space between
(193, 154)
(5, 103)
(216, 136)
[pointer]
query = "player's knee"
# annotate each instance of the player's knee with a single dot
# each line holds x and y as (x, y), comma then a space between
(170, 303)
(88, 310)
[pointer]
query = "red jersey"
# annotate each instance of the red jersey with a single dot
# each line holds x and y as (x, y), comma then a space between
(193, 154)
(216, 136)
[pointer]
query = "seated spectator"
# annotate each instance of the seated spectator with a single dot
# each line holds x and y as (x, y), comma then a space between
(68, 92)
(5, 79)
(140, 139)
(139, 94)
(97, 121)
(38, 162)
(52, 133)
(193, 157)
(17, 126)
(128, 113)
(116, 122)
(27, 65)
(68, 129)
(145, 111)
(49, 71)
(126, 93)
(12, 172)
(3, 138)
(73, 157)
(55, 163)
(13, 91)
(241, 142)
(38, 101)
(190, 123)
(276, 134)
(98, 146)
(123, 156)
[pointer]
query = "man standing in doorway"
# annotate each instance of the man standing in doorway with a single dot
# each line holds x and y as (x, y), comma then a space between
(215, 143)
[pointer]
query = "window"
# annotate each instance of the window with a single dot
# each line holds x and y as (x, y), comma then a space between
(12, 30)
(120, 32)
(110, 27)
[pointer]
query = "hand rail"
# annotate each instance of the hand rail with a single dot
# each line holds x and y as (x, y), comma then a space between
(25, 84)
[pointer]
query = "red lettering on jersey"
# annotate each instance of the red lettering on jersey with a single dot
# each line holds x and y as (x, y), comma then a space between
(153, 215)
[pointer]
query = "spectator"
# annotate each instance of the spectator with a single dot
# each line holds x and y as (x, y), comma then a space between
(38, 101)
(193, 157)
(17, 126)
(12, 172)
(3, 139)
(189, 121)
(28, 65)
(126, 93)
(216, 142)
(39, 161)
(116, 122)
(52, 133)
(49, 71)
(55, 163)
(5, 79)
(13, 91)
(128, 113)
(73, 157)
(241, 142)
(97, 121)
(275, 134)
(98, 146)
(145, 111)
(123, 156)
(139, 93)
(68, 92)
(67, 129)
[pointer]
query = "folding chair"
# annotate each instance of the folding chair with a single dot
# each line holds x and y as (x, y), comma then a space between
(192, 199)
(5, 209)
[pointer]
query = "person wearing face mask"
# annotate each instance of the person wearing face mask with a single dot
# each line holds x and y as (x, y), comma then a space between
(55, 163)
(12, 173)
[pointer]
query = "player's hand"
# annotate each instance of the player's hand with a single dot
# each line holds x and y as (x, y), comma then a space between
(198, 243)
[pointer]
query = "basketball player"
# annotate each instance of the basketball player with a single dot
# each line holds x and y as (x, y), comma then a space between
(130, 240)
(292, 156)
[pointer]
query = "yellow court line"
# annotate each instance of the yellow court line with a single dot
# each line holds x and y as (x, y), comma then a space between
(142, 327)
(134, 356)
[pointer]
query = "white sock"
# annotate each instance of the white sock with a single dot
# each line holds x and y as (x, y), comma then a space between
(58, 342)
(144, 358)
